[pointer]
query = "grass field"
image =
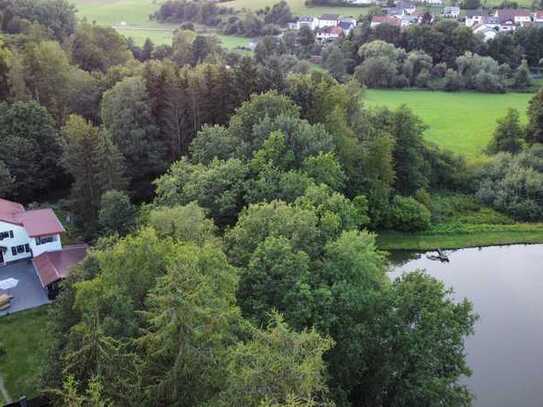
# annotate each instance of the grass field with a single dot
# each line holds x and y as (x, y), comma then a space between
(298, 7)
(462, 122)
(491, 235)
(26, 341)
(131, 17)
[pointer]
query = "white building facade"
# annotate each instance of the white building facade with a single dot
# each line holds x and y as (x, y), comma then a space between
(25, 234)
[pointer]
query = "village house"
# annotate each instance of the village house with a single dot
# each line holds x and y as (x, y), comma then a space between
(487, 31)
(394, 11)
(451, 12)
(538, 17)
(475, 17)
(510, 19)
(347, 24)
(328, 20)
(36, 234)
(308, 21)
(378, 20)
(408, 6)
(329, 33)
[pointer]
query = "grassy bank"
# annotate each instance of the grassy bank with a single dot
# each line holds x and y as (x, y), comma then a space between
(470, 236)
(26, 340)
(462, 122)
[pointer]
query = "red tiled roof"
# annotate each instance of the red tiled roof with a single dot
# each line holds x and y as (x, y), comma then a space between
(510, 14)
(386, 19)
(10, 211)
(37, 222)
(40, 222)
(55, 266)
(333, 30)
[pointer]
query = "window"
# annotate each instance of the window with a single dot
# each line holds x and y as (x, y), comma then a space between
(27, 248)
(6, 235)
(21, 249)
(45, 239)
(14, 251)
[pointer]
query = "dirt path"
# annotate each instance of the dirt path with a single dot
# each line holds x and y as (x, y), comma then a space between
(3, 390)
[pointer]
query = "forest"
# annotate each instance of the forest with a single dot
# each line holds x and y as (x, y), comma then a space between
(232, 203)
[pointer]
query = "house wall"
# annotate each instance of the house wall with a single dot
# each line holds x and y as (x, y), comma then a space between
(46, 247)
(20, 237)
(327, 23)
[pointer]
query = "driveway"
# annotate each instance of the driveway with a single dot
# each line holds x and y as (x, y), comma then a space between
(28, 293)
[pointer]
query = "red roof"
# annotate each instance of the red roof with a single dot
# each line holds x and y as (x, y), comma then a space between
(55, 266)
(386, 19)
(37, 222)
(10, 211)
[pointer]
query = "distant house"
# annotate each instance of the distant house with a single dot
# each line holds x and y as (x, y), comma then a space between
(308, 21)
(378, 20)
(328, 20)
(394, 11)
(436, 2)
(451, 12)
(509, 19)
(361, 2)
(475, 16)
(329, 33)
(347, 24)
(538, 17)
(487, 31)
(408, 6)
(406, 21)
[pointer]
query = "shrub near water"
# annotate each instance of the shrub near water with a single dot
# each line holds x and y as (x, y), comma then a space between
(408, 215)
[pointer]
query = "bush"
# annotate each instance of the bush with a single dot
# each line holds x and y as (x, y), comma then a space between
(408, 215)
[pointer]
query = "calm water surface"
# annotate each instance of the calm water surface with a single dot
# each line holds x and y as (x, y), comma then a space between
(505, 285)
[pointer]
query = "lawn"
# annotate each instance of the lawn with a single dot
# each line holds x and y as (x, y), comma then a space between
(131, 17)
(26, 341)
(479, 235)
(298, 7)
(462, 122)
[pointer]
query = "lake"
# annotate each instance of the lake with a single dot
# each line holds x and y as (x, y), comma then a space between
(505, 285)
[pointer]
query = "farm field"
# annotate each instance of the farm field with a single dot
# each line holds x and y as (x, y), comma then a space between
(298, 7)
(131, 17)
(461, 122)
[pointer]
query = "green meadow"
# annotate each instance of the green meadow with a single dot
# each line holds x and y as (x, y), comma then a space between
(131, 17)
(298, 7)
(461, 122)
(25, 340)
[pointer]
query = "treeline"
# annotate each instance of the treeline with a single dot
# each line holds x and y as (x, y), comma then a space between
(385, 66)
(177, 312)
(442, 55)
(267, 21)
(512, 181)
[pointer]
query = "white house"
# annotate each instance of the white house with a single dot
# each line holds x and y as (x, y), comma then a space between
(451, 12)
(328, 20)
(347, 24)
(36, 234)
(487, 31)
(24, 234)
(308, 21)
(474, 17)
(329, 33)
(513, 17)
(378, 20)
(538, 17)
